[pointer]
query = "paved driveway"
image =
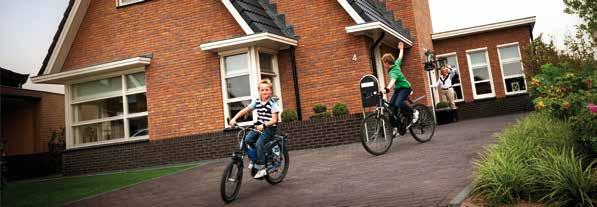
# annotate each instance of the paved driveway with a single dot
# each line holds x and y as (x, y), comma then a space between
(410, 174)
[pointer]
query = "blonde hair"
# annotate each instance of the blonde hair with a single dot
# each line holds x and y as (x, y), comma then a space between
(266, 82)
(388, 58)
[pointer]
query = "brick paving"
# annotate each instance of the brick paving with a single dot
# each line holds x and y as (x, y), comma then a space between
(409, 174)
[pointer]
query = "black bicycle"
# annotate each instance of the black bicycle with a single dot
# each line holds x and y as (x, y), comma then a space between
(377, 133)
(276, 157)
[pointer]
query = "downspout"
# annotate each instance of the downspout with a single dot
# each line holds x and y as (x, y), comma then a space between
(372, 54)
(297, 96)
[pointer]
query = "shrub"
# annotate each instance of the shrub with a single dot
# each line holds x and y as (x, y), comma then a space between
(340, 109)
(506, 171)
(564, 180)
(584, 125)
(319, 108)
(320, 115)
(289, 115)
(441, 104)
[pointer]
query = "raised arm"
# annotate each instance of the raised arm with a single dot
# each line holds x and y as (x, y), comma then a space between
(401, 48)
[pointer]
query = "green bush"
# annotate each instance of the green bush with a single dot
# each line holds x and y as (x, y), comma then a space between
(340, 109)
(506, 171)
(289, 115)
(584, 125)
(320, 115)
(319, 108)
(441, 104)
(564, 180)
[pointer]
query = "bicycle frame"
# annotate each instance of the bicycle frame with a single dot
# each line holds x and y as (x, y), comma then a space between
(382, 104)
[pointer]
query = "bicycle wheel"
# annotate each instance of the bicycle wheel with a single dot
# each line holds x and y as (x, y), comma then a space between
(423, 130)
(278, 175)
(231, 181)
(376, 134)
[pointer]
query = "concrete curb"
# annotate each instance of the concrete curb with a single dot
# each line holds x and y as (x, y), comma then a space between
(457, 200)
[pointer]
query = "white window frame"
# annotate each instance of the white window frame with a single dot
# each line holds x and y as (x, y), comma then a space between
(120, 3)
(472, 76)
(512, 60)
(459, 75)
(70, 110)
(254, 76)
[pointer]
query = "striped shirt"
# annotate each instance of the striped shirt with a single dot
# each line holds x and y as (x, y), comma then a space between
(264, 110)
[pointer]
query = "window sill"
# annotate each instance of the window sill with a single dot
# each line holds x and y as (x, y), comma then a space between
(517, 93)
(108, 143)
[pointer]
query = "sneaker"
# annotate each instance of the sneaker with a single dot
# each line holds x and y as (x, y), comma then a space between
(394, 131)
(250, 165)
(415, 116)
(261, 173)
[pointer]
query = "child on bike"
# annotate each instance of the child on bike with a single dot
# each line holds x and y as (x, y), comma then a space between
(267, 119)
(402, 87)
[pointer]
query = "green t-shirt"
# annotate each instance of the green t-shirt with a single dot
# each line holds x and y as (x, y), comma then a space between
(396, 74)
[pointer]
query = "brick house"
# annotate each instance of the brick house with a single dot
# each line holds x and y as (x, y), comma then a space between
(144, 76)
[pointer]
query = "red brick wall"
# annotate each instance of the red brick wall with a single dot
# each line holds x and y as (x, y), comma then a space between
(51, 109)
(183, 83)
(326, 72)
(415, 16)
(490, 40)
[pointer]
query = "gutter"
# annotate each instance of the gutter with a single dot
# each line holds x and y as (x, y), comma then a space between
(295, 81)
(372, 54)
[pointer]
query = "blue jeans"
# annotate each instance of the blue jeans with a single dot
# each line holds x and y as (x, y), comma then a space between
(399, 101)
(262, 138)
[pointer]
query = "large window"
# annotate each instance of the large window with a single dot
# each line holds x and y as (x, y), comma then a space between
(480, 72)
(453, 61)
(512, 71)
(241, 71)
(109, 110)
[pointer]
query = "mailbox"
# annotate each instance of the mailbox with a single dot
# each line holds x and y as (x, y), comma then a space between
(369, 88)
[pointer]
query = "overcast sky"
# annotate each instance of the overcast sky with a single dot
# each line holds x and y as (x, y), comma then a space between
(28, 26)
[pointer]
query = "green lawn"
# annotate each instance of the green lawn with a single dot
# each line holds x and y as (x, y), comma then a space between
(59, 191)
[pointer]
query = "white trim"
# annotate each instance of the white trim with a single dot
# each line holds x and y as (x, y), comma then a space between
(359, 28)
(483, 28)
(508, 44)
(67, 37)
(91, 71)
(105, 142)
(100, 120)
(472, 76)
(119, 3)
(511, 60)
(246, 41)
(455, 54)
(351, 12)
(68, 117)
(110, 95)
(239, 19)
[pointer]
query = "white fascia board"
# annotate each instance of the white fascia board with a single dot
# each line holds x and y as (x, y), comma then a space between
(351, 12)
(63, 77)
(483, 28)
(67, 37)
(239, 19)
(377, 25)
(215, 46)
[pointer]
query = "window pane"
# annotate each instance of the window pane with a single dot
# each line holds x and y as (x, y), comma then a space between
(483, 88)
(98, 109)
(97, 89)
(99, 132)
(137, 103)
(478, 58)
(238, 86)
(235, 107)
(265, 62)
(136, 80)
(512, 68)
(515, 84)
(138, 126)
(457, 92)
(236, 63)
(481, 74)
(509, 52)
(456, 78)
